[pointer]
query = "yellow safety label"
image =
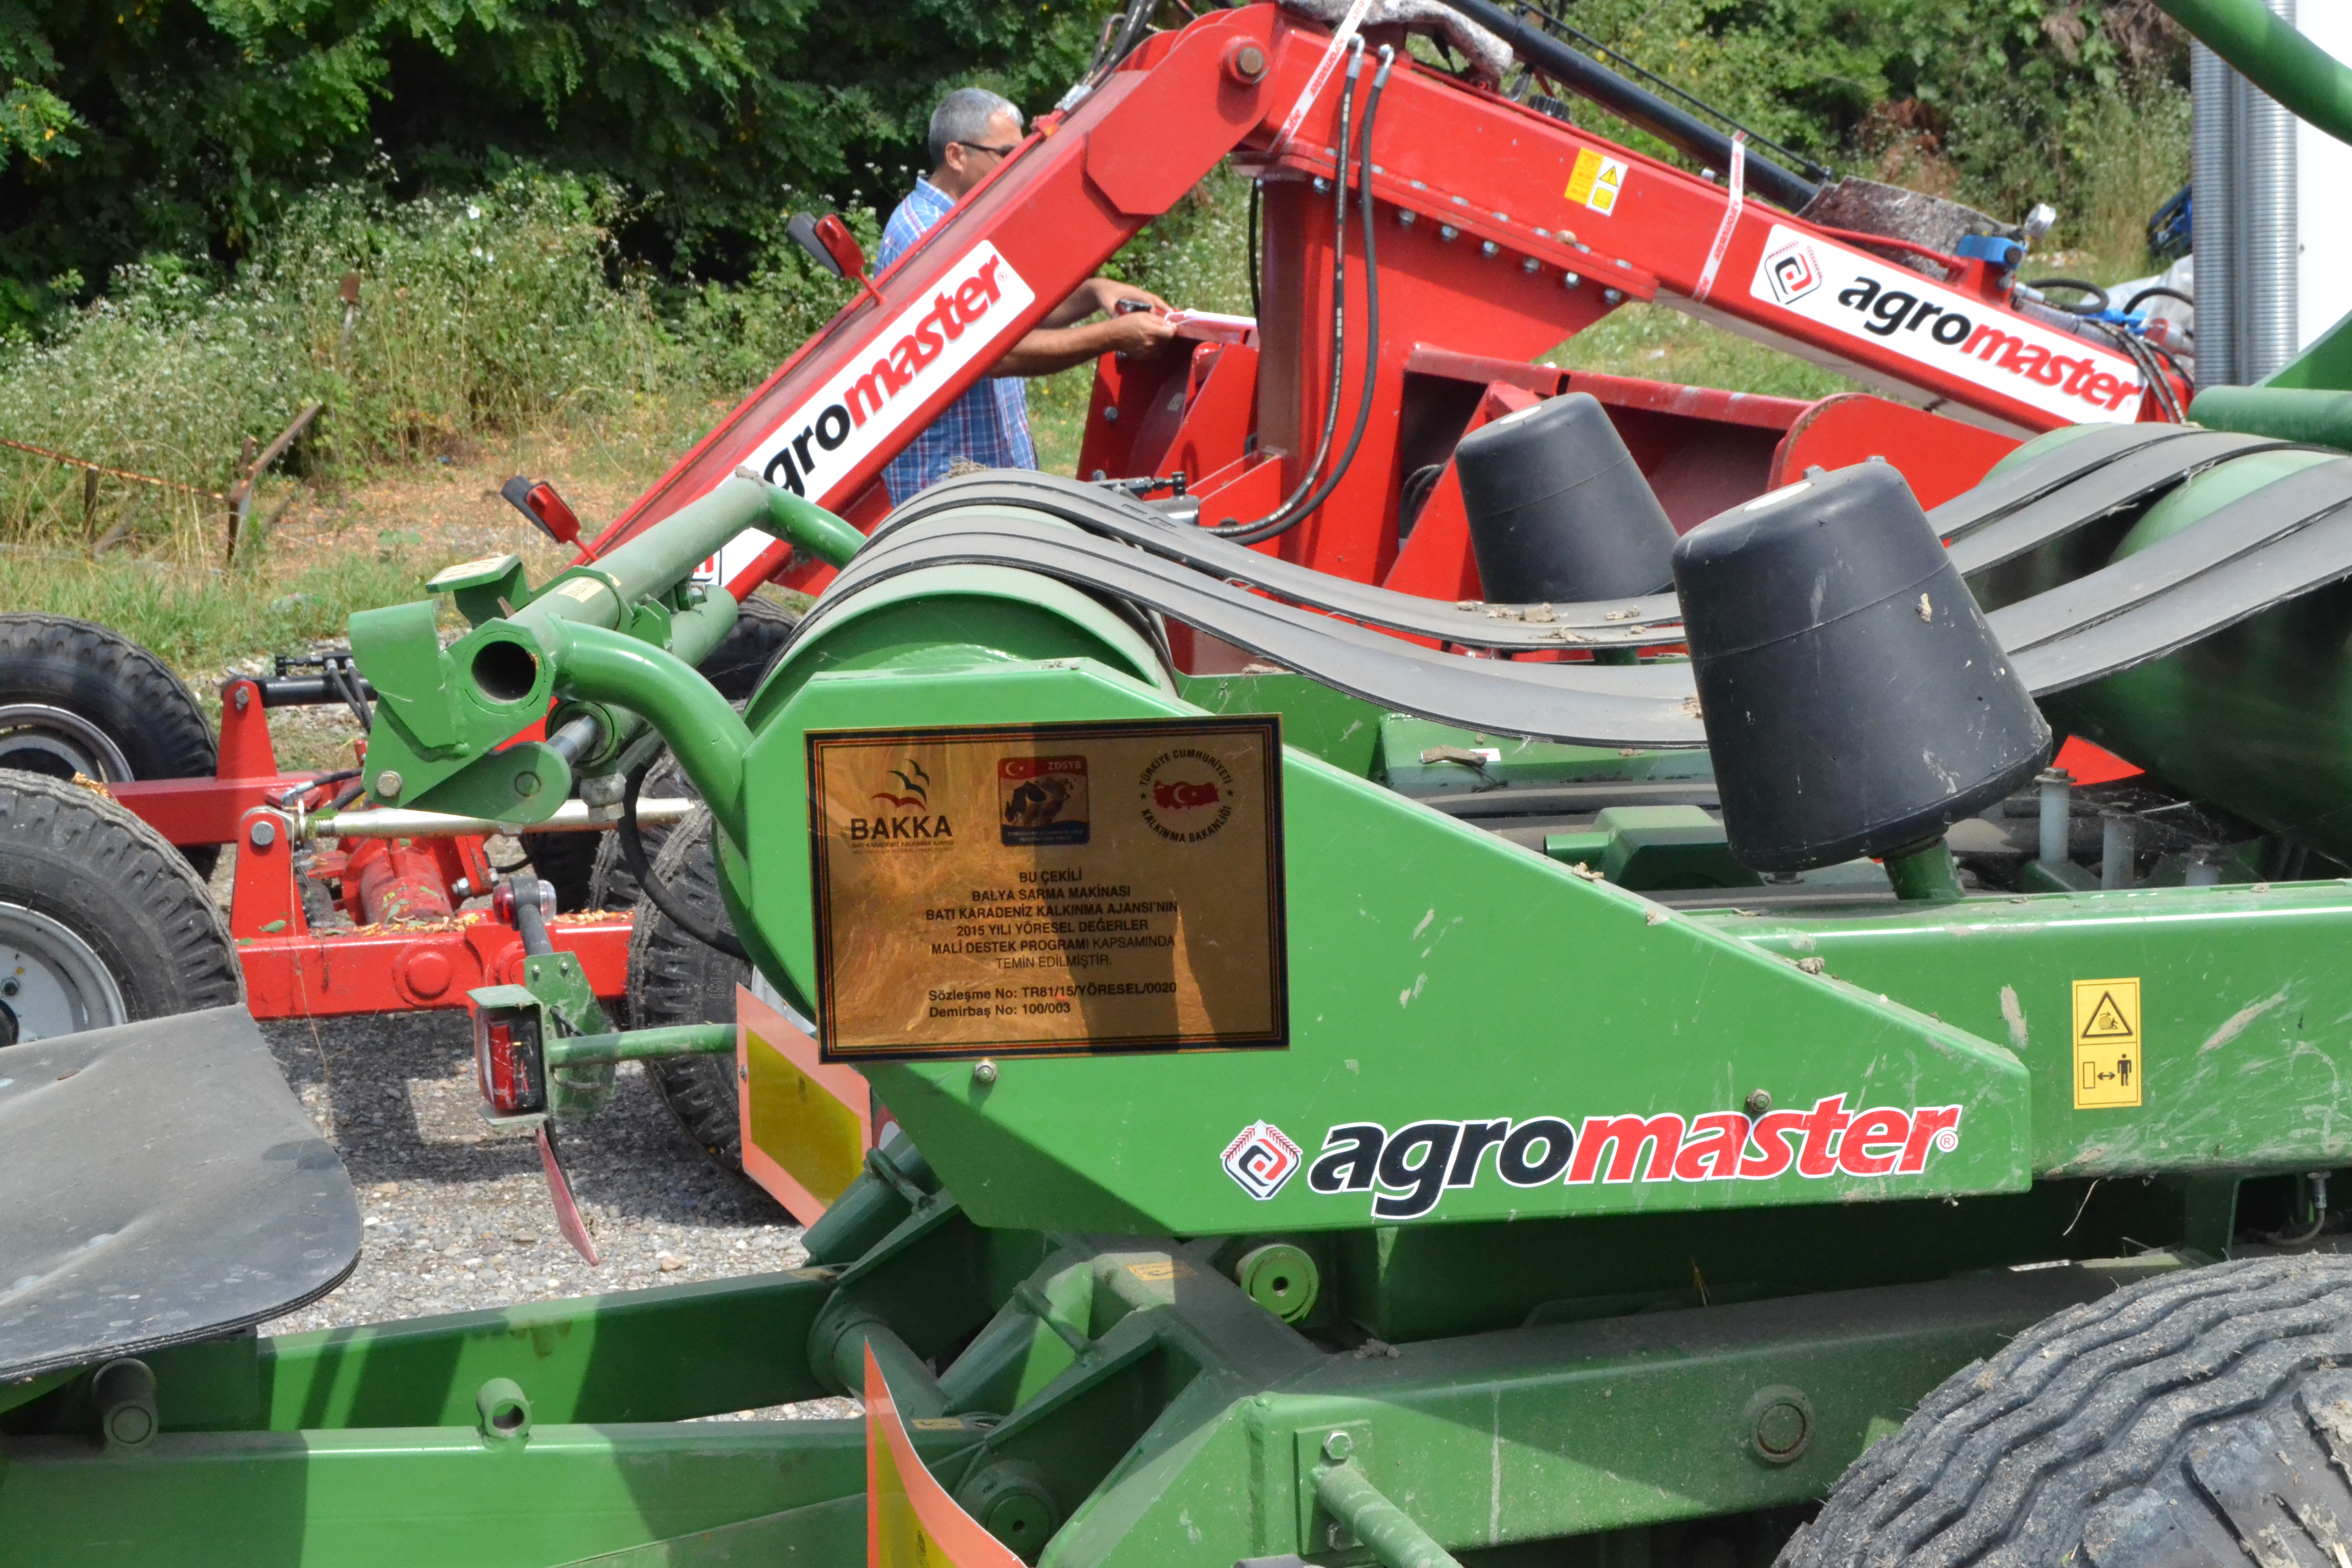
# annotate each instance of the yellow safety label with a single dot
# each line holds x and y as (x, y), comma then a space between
(1596, 181)
(2106, 1044)
(1165, 1268)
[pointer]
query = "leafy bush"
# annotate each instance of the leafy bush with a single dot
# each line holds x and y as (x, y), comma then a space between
(188, 128)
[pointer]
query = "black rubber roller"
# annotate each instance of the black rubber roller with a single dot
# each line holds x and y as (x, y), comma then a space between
(1855, 699)
(1558, 511)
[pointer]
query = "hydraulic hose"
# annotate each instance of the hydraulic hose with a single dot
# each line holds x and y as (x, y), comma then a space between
(1371, 318)
(659, 892)
(1639, 106)
(1289, 509)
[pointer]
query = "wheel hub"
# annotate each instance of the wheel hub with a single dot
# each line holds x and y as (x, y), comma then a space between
(51, 982)
(38, 738)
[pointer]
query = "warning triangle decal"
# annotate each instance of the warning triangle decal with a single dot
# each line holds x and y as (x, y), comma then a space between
(2107, 1021)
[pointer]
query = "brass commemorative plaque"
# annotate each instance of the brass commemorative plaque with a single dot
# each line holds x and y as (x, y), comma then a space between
(1049, 888)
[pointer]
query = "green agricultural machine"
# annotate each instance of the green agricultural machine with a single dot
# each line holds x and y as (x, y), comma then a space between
(1383, 1107)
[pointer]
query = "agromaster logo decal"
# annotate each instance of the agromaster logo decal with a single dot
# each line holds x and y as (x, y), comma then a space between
(1407, 1171)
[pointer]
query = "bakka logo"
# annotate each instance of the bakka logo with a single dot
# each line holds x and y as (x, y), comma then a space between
(1793, 271)
(915, 782)
(905, 818)
(1408, 1171)
(1188, 795)
(1260, 1159)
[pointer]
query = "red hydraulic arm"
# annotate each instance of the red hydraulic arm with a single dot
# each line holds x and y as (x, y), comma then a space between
(1501, 231)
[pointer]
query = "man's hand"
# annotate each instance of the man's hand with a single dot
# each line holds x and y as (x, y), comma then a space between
(1107, 296)
(1097, 297)
(1139, 335)
(1140, 332)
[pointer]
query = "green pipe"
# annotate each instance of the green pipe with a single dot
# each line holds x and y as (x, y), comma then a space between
(641, 1045)
(1925, 873)
(810, 527)
(1386, 1530)
(2321, 418)
(704, 732)
(2271, 53)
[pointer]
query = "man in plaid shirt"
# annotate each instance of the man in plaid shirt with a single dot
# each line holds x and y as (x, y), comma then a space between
(971, 132)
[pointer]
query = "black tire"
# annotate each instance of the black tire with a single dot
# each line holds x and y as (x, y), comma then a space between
(673, 979)
(566, 862)
(110, 683)
(2196, 1418)
(742, 657)
(613, 885)
(83, 881)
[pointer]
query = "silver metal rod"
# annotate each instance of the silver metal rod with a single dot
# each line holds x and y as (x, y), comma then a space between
(2115, 850)
(571, 816)
(2057, 788)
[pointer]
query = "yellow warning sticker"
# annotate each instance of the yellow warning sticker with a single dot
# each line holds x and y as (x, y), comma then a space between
(1596, 181)
(2106, 1044)
(1164, 1268)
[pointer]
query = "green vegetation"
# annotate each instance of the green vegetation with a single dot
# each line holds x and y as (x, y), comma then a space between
(198, 621)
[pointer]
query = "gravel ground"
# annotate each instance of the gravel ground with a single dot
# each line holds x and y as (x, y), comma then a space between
(456, 1211)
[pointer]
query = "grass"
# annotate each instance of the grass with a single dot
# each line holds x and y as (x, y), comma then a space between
(200, 622)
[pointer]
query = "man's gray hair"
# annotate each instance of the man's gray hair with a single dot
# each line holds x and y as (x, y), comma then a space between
(963, 116)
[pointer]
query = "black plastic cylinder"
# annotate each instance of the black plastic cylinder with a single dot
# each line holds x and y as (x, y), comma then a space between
(1558, 510)
(1855, 699)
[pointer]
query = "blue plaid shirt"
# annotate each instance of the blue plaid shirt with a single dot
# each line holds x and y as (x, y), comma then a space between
(989, 425)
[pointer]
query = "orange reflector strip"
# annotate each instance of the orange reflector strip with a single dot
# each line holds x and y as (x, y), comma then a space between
(910, 1521)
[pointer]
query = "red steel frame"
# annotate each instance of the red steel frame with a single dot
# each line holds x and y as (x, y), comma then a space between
(393, 961)
(1482, 255)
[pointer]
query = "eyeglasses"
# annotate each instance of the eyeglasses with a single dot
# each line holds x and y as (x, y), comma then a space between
(1003, 152)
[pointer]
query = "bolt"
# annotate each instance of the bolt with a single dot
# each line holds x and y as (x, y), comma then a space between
(1529, 265)
(264, 833)
(244, 697)
(1338, 1446)
(1781, 1428)
(1407, 217)
(526, 784)
(983, 1071)
(1612, 296)
(10, 987)
(1448, 233)
(1489, 248)
(1321, 184)
(1110, 415)
(1759, 1101)
(387, 785)
(1569, 280)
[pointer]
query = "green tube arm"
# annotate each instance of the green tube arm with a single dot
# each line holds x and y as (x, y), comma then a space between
(641, 1045)
(2283, 414)
(704, 732)
(1386, 1529)
(2271, 53)
(810, 527)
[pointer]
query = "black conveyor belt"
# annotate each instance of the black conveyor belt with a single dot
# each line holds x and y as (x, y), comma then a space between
(2285, 538)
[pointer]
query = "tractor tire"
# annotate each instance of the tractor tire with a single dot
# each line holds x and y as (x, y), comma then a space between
(735, 666)
(675, 979)
(566, 862)
(101, 920)
(2194, 1419)
(76, 698)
